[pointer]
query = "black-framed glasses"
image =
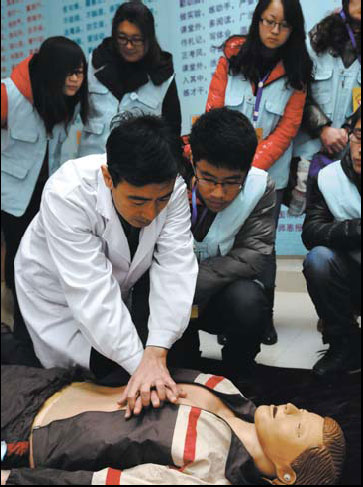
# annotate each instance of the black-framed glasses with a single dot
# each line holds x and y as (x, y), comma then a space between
(356, 135)
(134, 41)
(271, 24)
(228, 187)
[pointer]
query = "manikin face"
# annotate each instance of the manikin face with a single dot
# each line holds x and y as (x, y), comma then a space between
(355, 10)
(274, 36)
(285, 432)
(218, 197)
(130, 42)
(356, 148)
(74, 81)
(139, 206)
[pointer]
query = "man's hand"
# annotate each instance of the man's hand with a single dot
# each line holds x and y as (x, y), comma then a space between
(150, 384)
(334, 140)
(4, 476)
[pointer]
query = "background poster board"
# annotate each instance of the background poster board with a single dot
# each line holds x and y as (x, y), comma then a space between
(190, 29)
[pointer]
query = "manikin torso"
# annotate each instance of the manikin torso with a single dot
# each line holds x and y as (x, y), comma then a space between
(85, 397)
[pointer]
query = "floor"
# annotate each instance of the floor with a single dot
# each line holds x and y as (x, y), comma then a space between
(295, 321)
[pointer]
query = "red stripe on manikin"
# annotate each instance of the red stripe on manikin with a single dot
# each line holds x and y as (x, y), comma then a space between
(214, 381)
(113, 477)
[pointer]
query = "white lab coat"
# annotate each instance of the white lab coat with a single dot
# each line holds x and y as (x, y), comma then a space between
(73, 272)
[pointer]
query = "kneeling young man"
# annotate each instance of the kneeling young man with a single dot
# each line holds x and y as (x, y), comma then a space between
(234, 232)
(333, 234)
(104, 222)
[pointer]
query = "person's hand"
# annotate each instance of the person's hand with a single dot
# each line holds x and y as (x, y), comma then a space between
(334, 140)
(4, 476)
(150, 384)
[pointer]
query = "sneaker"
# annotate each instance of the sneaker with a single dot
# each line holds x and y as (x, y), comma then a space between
(343, 357)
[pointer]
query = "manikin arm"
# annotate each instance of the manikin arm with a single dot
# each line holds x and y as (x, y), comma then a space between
(148, 474)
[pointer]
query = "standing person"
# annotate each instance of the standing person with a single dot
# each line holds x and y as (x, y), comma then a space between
(104, 221)
(234, 232)
(336, 51)
(264, 76)
(39, 102)
(333, 234)
(129, 72)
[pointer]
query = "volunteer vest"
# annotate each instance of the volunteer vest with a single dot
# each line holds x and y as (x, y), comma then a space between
(221, 236)
(147, 100)
(332, 89)
(340, 194)
(23, 148)
(275, 97)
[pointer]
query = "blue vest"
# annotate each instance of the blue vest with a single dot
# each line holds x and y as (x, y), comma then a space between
(341, 195)
(23, 148)
(332, 89)
(227, 224)
(104, 106)
(240, 96)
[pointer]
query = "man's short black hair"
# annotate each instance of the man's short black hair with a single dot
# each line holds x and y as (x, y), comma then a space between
(143, 150)
(224, 138)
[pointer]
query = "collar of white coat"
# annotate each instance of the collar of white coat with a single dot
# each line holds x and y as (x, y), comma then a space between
(104, 196)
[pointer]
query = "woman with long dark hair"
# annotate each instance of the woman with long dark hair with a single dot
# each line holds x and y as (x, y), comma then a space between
(265, 76)
(336, 89)
(39, 103)
(129, 72)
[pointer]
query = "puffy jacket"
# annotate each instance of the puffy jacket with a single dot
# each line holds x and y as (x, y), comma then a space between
(275, 145)
(321, 228)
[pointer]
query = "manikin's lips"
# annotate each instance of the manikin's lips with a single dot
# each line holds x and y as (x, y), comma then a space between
(274, 411)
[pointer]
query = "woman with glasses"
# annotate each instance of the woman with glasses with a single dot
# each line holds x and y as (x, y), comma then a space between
(39, 103)
(264, 76)
(129, 72)
(333, 234)
(336, 89)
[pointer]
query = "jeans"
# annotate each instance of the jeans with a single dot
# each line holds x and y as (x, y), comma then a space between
(334, 285)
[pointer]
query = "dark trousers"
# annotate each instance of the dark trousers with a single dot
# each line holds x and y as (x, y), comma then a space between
(184, 354)
(238, 312)
(268, 278)
(334, 285)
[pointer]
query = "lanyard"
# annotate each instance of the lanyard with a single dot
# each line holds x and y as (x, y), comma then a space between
(195, 208)
(351, 34)
(256, 111)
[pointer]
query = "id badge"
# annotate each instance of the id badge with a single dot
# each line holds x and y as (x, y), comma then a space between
(195, 312)
(357, 98)
(259, 133)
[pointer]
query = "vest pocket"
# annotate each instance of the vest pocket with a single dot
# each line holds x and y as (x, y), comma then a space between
(10, 166)
(96, 128)
(20, 134)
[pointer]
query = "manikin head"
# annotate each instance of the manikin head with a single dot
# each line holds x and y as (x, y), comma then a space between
(143, 160)
(223, 144)
(305, 449)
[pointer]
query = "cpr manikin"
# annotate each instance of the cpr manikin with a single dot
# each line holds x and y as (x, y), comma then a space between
(287, 445)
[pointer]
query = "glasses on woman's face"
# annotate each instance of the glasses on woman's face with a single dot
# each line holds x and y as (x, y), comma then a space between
(271, 24)
(124, 40)
(79, 73)
(356, 136)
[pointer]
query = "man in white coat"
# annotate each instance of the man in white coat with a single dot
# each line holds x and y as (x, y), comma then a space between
(104, 221)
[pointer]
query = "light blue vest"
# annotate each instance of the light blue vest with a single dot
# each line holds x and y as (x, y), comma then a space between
(341, 195)
(240, 96)
(104, 106)
(228, 223)
(23, 148)
(333, 90)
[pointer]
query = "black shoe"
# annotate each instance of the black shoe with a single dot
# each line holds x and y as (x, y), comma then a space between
(343, 357)
(270, 336)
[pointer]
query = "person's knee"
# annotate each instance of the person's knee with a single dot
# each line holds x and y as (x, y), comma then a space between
(248, 304)
(318, 263)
